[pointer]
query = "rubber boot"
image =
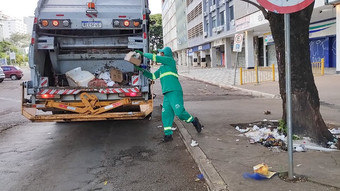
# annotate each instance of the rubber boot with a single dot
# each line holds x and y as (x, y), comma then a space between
(197, 125)
(167, 138)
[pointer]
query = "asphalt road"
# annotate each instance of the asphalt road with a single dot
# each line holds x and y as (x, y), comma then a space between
(108, 155)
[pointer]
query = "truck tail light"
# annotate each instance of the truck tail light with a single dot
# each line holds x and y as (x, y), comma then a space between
(136, 23)
(91, 5)
(35, 20)
(131, 94)
(126, 23)
(144, 35)
(44, 23)
(66, 23)
(144, 17)
(47, 96)
(55, 23)
(32, 41)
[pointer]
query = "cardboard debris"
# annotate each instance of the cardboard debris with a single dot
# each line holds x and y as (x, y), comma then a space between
(116, 75)
(133, 58)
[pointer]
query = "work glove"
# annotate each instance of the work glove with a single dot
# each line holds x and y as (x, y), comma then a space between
(139, 68)
(139, 52)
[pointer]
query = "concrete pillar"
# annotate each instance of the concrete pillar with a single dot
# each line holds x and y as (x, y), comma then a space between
(203, 59)
(213, 57)
(338, 39)
(227, 53)
(249, 49)
(195, 59)
(264, 52)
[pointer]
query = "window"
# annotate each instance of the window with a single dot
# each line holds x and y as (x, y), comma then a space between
(222, 16)
(214, 22)
(231, 12)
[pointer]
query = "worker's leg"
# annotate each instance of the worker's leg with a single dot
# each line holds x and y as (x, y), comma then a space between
(176, 101)
(168, 115)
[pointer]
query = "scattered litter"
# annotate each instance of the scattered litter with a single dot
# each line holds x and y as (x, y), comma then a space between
(255, 127)
(335, 131)
(174, 128)
(218, 139)
(252, 141)
(267, 112)
(237, 140)
(261, 172)
(78, 77)
(242, 130)
(333, 147)
(200, 176)
(298, 165)
(300, 148)
(194, 143)
(105, 183)
(275, 149)
(159, 126)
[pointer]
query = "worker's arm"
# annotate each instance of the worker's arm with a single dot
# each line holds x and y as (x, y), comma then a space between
(152, 76)
(158, 59)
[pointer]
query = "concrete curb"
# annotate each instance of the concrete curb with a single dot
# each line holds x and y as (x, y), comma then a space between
(248, 92)
(212, 177)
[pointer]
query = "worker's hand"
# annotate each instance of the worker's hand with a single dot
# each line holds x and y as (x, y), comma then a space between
(139, 52)
(139, 68)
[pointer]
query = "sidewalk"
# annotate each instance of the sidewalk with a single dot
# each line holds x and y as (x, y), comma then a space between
(232, 155)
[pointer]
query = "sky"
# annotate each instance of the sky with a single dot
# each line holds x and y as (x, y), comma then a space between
(22, 8)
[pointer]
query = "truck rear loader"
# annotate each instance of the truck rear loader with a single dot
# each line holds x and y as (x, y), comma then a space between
(74, 44)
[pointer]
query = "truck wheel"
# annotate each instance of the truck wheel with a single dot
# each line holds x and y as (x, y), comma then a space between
(14, 77)
(1, 80)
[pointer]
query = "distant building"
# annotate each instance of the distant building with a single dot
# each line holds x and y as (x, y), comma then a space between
(12, 26)
(29, 23)
(169, 24)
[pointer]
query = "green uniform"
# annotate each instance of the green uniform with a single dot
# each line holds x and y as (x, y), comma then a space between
(171, 88)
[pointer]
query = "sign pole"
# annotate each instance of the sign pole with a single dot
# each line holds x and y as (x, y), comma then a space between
(288, 96)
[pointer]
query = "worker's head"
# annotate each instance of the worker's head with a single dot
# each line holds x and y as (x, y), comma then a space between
(166, 52)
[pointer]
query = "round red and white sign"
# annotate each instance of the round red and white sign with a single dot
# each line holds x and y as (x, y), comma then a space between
(285, 6)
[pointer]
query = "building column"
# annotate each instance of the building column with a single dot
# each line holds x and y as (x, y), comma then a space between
(249, 49)
(203, 59)
(195, 59)
(227, 53)
(213, 57)
(338, 39)
(264, 52)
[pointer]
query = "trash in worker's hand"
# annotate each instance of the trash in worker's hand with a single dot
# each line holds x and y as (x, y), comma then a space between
(194, 143)
(133, 58)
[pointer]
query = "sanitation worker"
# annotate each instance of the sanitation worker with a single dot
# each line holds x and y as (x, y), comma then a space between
(172, 90)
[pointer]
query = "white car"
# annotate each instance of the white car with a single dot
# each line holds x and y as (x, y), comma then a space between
(2, 75)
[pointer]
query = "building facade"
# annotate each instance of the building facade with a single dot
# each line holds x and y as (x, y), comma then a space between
(169, 24)
(212, 25)
(12, 26)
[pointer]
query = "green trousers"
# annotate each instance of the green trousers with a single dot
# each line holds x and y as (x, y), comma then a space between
(173, 105)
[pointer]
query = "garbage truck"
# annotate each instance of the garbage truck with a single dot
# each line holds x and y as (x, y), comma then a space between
(76, 59)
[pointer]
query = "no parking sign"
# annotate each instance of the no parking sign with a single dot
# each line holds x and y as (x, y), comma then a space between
(285, 6)
(238, 41)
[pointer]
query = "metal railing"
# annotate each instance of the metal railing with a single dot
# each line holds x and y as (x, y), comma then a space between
(318, 68)
(256, 75)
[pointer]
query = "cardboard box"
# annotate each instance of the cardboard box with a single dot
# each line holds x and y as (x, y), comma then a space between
(116, 75)
(133, 58)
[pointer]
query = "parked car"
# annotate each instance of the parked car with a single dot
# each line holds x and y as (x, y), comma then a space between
(13, 72)
(2, 75)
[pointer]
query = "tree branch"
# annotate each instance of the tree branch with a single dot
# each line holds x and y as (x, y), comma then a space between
(265, 13)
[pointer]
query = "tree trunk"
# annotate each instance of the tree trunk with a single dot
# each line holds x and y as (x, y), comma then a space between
(306, 117)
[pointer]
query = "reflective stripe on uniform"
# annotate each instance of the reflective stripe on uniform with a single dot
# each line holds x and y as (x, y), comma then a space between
(189, 119)
(167, 128)
(154, 57)
(168, 74)
(153, 76)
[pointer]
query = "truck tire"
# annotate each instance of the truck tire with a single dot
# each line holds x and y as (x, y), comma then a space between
(1, 80)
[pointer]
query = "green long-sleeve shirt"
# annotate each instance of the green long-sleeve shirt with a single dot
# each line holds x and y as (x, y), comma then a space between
(167, 72)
